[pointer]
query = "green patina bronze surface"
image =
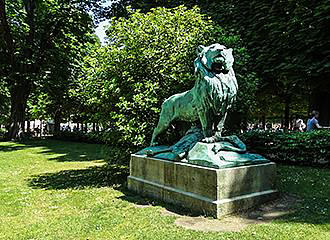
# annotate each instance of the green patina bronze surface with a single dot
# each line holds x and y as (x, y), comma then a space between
(228, 152)
(222, 155)
(208, 102)
(179, 150)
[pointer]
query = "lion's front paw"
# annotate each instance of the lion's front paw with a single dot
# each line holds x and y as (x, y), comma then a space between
(149, 152)
(208, 140)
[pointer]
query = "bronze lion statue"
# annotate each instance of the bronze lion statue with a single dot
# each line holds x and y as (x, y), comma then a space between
(208, 101)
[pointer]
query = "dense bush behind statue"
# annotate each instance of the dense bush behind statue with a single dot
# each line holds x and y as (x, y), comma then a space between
(148, 58)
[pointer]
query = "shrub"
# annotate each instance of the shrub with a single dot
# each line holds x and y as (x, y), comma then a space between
(312, 148)
(307, 148)
(78, 137)
(149, 58)
(2, 134)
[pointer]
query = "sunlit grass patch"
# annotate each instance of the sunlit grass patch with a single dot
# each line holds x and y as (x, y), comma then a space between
(49, 191)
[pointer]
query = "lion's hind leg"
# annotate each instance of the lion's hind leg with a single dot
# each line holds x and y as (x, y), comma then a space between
(165, 119)
(220, 126)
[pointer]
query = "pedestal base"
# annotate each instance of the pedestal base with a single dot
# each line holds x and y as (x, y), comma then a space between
(208, 191)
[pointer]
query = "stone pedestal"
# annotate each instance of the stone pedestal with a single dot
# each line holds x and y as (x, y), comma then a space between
(208, 191)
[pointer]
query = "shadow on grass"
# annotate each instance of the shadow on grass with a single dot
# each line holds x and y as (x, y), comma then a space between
(312, 185)
(103, 176)
(71, 151)
(11, 148)
(65, 151)
(285, 209)
(140, 201)
(288, 208)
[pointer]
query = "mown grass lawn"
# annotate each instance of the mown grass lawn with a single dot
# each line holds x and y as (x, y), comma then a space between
(62, 190)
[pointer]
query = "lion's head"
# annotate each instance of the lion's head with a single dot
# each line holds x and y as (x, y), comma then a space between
(216, 58)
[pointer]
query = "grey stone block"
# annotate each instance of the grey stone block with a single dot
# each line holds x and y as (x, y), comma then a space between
(208, 191)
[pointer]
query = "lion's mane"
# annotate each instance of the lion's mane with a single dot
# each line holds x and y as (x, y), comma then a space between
(214, 91)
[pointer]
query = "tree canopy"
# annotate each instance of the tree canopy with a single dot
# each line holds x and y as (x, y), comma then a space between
(53, 66)
(149, 58)
(39, 43)
(288, 42)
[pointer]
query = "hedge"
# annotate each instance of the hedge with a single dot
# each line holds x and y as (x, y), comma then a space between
(307, 148)
(299, 148)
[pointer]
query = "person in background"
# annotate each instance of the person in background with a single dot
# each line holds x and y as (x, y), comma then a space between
(313, 123)
(299, 125)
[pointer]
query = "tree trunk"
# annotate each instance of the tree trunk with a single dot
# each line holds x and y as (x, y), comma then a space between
(19, 96)
(320, 101)
(28, 127)
(263, 122)
(23, 124)
(287, 112)
(57, 121)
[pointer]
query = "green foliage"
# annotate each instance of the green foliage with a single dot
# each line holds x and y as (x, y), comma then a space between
(2, 134)
(248, 81)
(40, 44)
(149, 58)
(307, 148)
(38, 107)
(93, 137)
(287, 41)
(52, 97)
